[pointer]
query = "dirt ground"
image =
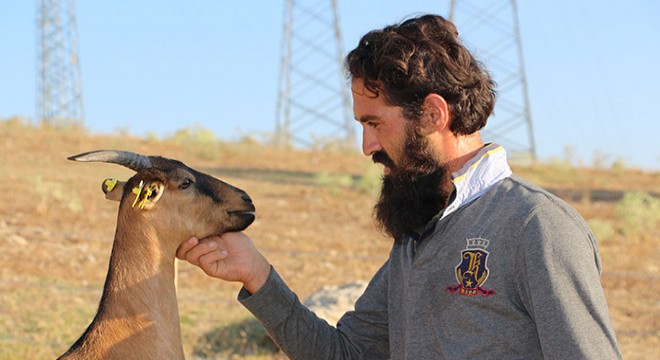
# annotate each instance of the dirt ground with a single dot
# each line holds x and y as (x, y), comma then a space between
(313, 224)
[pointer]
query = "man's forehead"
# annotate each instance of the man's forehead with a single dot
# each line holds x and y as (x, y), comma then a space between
(358, 88)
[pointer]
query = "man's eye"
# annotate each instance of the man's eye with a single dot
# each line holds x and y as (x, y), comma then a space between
(185, 184)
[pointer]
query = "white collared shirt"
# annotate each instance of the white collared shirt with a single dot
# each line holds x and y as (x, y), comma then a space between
(478, 175)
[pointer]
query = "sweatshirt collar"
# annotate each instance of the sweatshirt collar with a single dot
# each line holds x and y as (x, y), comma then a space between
(478, 175)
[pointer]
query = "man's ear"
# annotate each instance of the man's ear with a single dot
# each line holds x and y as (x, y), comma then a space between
(436, 113)
(113, 189)
(146, 195)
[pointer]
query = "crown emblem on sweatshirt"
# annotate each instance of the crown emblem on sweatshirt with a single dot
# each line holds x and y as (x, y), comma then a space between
(472, 272)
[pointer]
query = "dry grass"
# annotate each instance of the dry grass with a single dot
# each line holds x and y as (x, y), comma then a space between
(314, 225)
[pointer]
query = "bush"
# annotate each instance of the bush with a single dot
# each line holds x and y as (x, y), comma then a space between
(370, 182)
(639, 213)
(604, 230)
(55, 194)
(334, 180)
(235, 341)
(203, 142)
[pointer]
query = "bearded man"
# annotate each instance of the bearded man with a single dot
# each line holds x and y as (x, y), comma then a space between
(483, 264)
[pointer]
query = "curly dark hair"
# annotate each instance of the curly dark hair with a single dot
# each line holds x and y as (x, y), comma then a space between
(420, 56)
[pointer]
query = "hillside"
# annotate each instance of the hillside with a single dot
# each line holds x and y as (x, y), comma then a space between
(313, 223)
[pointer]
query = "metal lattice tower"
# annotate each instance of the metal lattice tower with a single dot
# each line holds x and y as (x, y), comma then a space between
(490, 29)
(59, 94)
(313, 99)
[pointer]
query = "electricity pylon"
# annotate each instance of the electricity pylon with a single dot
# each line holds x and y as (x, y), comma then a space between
(491, 30)
(313, 100)
(59, 93)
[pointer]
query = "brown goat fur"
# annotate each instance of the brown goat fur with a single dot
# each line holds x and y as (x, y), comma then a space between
(160, 207)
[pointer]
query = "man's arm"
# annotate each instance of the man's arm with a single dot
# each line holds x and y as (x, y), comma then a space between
(360, 334)
(299, 332)
(560, 286)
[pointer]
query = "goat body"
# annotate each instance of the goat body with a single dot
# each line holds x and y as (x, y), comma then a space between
(138, 315)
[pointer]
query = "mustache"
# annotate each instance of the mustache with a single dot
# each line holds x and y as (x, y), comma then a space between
(381, 157)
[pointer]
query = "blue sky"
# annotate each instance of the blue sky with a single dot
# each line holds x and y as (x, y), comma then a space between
(158, 66)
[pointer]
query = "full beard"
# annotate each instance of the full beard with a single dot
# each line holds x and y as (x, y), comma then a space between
(413, 192)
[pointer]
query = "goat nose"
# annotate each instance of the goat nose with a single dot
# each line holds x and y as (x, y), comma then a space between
(247, 198)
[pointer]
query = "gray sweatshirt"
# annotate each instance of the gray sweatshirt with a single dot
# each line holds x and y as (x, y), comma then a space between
(506, 271)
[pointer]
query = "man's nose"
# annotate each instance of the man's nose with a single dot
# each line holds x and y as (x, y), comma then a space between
(370, 143)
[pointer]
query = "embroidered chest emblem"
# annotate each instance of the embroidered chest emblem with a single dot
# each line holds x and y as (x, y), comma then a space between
(473, 271)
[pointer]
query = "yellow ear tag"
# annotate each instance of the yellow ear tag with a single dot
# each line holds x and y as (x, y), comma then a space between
(137, 191)
(143, 202)
(110, 184)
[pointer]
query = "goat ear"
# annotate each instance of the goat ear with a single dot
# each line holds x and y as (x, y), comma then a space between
(113, 189)
(148, 194)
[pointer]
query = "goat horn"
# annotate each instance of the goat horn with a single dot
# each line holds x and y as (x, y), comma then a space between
(131, 160)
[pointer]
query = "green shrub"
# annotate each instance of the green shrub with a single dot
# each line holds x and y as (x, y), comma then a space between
(639, 213)
(203, 142)
(604, 230)
(193, 135)
(52, 193)
(16, 122)
(333, 179)
(235, 341)
(370, 182)
(619, 165)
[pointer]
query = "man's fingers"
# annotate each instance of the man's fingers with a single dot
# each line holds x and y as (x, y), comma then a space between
(202, 248)
(185, 247)
(209, 262)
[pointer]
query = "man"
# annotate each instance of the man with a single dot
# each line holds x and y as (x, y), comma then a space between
(483, 264)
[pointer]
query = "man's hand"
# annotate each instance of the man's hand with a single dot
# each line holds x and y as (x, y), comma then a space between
(231, 257)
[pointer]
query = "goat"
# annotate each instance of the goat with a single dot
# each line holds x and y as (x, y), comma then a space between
(161, 206)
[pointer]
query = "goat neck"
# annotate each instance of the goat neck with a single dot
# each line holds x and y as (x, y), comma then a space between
(138, 308)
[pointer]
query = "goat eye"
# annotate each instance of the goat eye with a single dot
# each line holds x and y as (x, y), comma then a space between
(185, 184)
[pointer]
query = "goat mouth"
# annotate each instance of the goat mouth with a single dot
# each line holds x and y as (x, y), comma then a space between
(248, 215)
(242, 213)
